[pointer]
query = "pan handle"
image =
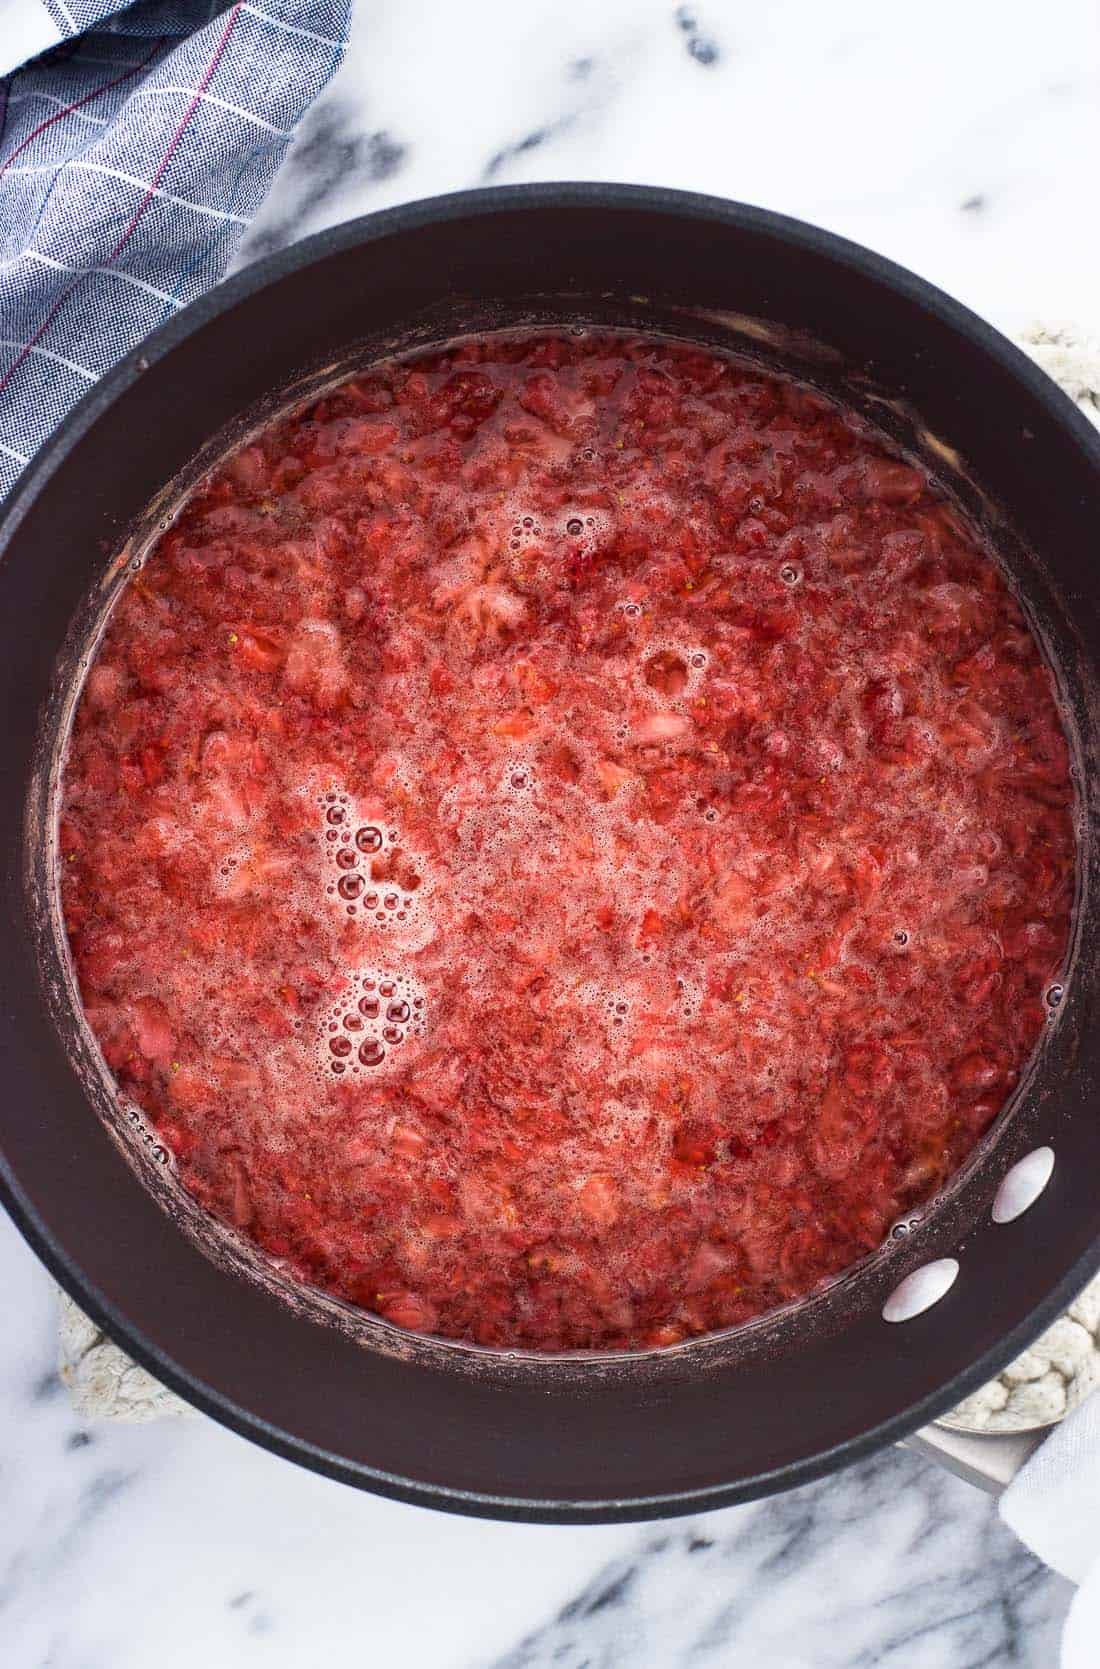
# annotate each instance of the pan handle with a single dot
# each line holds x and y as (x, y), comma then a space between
(989, 1461)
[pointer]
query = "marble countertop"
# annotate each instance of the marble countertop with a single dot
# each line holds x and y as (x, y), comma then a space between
(966, 152)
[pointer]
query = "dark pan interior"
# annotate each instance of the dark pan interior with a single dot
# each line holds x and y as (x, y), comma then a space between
(725, 1418)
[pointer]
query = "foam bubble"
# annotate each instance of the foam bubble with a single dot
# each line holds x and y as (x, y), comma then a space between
(518, 777)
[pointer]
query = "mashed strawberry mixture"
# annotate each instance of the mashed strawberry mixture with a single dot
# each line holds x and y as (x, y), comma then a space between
(567, 839)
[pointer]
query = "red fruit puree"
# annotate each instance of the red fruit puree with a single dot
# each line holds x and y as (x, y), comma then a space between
(566, 838)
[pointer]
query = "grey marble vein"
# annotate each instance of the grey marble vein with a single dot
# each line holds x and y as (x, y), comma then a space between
(701, 46)
(860, 1572)
(330, 150)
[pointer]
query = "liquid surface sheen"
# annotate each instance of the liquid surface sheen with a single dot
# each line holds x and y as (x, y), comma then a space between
(567, 839)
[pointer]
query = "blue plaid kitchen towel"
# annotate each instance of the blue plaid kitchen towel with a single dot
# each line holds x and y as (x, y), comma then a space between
(134, 149)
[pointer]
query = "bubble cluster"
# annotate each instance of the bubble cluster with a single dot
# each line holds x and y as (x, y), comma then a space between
(147, 1134)
(526, 533)
(379, 1011)
(612, 1005)
(372, 876)
(228, 866)
(584, 529)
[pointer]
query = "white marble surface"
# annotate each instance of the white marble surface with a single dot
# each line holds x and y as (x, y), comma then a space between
(959, 139)
(962, 141)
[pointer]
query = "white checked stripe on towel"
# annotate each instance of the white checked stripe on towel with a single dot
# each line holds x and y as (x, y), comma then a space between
(132, 156)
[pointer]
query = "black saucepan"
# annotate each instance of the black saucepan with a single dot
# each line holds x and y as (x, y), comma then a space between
(513, 1436)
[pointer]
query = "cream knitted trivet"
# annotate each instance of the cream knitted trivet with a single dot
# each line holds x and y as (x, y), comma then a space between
(104, 1384)
(1039, 1387)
